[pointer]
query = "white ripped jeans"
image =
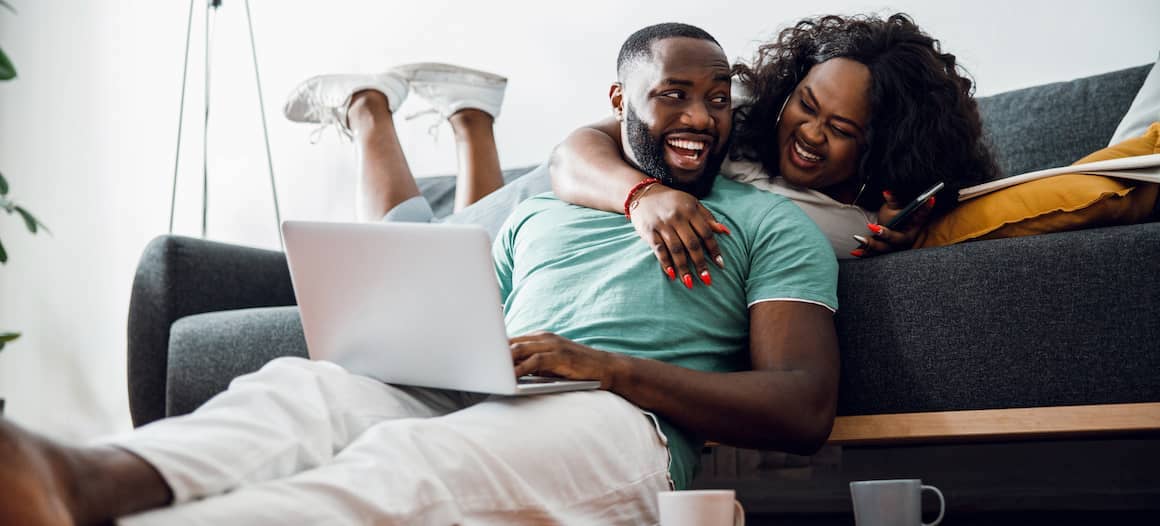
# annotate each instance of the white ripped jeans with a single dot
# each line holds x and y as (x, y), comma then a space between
(305, 442)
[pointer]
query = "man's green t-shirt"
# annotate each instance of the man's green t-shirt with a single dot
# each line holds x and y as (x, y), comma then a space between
(587, 276)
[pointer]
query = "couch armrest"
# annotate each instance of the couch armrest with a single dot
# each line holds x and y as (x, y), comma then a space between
(180, 276)
(1050, 320)
(207, 351)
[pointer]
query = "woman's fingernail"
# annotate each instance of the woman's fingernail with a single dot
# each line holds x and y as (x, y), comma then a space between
(857, 252)
(720, 261)
(874, 228)
(672, 274)
(860, 239)
(887, 194)
(687, 279)
(706, 278)
(930, 201)
(721, 229)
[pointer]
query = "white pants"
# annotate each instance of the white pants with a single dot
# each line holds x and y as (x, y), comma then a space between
(303, 442)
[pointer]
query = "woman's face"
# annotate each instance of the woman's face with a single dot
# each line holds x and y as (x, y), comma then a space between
(823, 126)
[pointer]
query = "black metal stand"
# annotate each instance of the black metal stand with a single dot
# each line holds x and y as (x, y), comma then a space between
(210, 11)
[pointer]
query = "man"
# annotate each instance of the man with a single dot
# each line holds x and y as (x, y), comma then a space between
(307, 442)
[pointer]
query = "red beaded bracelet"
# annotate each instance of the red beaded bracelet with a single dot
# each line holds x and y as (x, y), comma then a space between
(647, 182)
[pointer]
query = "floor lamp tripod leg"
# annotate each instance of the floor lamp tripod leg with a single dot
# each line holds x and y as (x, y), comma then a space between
(210, 8)
(180, 117)
(265, 131)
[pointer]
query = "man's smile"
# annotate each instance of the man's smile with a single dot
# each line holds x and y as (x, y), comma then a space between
(687, 151)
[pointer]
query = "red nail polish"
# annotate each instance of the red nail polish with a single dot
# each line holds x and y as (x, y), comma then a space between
(672, 274)
(887, 194)
(688, 280)
(931, 201)
(721, 229)
(874, 228)
(706, 278)
(857, 252)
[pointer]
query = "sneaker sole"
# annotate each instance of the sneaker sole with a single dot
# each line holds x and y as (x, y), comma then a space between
(440, 72)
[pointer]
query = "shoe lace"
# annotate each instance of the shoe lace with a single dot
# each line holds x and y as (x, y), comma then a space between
(328, 116)
(433, 129)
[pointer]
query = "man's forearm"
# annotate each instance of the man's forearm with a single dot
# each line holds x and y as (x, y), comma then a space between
(768, 409)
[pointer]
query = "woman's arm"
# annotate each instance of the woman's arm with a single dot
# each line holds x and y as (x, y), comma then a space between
(588, 169)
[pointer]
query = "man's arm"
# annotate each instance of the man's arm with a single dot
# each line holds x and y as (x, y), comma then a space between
(786, 402)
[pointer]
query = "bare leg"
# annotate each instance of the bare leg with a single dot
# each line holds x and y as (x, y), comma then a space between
(45, 483)
(386, 177)
(479, 172)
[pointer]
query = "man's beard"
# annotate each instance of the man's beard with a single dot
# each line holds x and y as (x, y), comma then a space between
(650, 157)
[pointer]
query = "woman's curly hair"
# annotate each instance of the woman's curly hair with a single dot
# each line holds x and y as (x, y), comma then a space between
(924, 124)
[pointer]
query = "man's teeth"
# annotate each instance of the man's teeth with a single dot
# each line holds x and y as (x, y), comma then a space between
(804, 154)
(687, 145)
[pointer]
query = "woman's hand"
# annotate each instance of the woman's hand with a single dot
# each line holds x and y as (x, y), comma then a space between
(546, 354)
(680, 230)
(883, 240)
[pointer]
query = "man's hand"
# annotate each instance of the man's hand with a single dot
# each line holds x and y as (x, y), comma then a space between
(884, 240)
(546, 354)
(680, 231)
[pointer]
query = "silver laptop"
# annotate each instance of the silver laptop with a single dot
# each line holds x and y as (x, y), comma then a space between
(408, 304)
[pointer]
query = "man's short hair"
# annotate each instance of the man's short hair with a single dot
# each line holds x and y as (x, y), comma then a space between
(639, 44)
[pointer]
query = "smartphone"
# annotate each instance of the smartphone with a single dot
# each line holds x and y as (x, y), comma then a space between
(914, 205)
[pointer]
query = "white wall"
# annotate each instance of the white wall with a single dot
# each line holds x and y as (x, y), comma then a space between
(87, 132)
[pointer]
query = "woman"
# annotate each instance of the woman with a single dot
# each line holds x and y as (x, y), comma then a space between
(850, 117)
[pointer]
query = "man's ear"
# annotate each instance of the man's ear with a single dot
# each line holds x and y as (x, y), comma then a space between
(616, 96)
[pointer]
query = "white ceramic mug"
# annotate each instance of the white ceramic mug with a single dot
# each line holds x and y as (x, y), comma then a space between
(709, 507)
(892, 502)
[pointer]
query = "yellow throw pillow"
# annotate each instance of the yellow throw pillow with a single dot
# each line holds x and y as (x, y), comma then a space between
(1053, 204)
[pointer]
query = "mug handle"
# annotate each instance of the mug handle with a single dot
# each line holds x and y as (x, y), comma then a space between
(942, 505)
(739, 514)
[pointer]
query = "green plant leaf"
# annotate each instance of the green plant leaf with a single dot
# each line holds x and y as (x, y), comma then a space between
(6, 337)
(3, 185)
(29, 220)
(3, 254)
(7, 70)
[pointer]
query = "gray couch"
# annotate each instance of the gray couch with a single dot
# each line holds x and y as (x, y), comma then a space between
(1062, 319)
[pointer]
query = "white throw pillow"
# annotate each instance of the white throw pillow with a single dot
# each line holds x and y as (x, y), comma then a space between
(1144, 111)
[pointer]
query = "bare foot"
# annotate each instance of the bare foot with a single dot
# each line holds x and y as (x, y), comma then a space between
(42, 482)
(31, 491)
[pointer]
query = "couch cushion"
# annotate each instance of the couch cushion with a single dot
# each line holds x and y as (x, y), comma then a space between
(1057, 319)
(1053, 204)
(1055, 124)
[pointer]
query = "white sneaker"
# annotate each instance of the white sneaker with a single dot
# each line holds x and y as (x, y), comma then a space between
(325, 99)
(450, 88)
